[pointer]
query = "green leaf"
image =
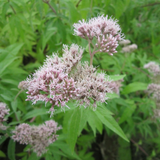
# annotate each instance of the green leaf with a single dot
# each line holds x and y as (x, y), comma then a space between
(47, 35)
(11, 150)
(74, 14)
(2, 154)
(94, 122)
(33, 156)
(112, 95)
(133, 87)
(84, 118)
(35, 113)
(64, 148)
(14, 105)
(73, 128)
(115, 77)
(110, 122)
(10, 53)
(127, 112)
(2, 139)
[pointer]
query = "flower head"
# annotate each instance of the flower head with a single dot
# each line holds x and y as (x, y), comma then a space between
(154, 89)
(129, 48)
(105, 30)
(152, 68)
(51, 83)
(90, 84)
(39, 137)
(124, 42)
(3, 111)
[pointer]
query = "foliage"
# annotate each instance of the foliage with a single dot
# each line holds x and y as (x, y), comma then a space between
(31, 30)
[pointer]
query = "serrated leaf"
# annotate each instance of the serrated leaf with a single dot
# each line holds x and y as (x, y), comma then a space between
(11, 53)
(65, 148)
(127, 113)
(47, 35)
(94, 122)
(133, 87)
(34, 113)
(84, 118)
(73, 128)
(110, 122)
(11, 150)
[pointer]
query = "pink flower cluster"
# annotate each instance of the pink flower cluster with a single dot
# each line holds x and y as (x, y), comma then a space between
(51, 83)
(106, 32)
(65, 78)
(3, 112)
(92, 85)
(39, 137)
(115, 85)
(51, 86)
(153, 68)
(154, 89)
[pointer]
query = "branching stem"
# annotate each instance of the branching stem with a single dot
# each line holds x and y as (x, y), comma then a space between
(12, 7)
(47, 2)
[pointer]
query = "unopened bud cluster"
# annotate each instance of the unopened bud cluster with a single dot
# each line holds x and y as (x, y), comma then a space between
(104, 30)
(39, 137)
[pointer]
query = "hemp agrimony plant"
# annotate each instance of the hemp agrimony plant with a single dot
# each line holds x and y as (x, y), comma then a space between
(66, 78)
(61, 79)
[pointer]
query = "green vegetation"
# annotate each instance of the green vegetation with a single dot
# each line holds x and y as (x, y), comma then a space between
(126, 127)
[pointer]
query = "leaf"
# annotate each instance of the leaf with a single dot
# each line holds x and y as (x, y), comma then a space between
(94, 122)
(10, 53)
(64, 148)
(33, 156)
(2, 154)
(110, 122)
(73, 128)
(11, 150)
(35, 113)
(14, 105)
(74, 14)
(135, 86)
(6, 63)
(115, 77)
(84, 118)
(127, 112)
(112, 95)
(47, 35)
(2, 139)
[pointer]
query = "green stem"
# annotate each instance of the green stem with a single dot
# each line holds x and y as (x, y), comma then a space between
(12, 7)
(91, 55)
